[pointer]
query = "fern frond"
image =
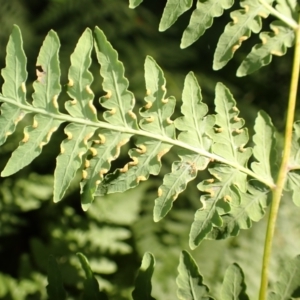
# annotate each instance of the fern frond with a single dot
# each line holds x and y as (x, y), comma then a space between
(265, 148)
(195, 129)
(146, 159)
(189, 280)
(14, 75)
(202, 18)
(288, 284)
(244, 21)
(273, 43)
(233, 285)
(220, 139)
(47, 89)
(173, 10)
(143, 285)
(134, 3)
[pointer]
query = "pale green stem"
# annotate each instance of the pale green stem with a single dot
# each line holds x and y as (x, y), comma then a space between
(283, 171)
(290, 22)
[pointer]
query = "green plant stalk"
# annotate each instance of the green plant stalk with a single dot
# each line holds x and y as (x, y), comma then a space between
(277, 192)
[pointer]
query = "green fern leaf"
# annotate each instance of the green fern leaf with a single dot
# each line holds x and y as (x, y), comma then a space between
(120, 103)
(195, 127)
(91, 286)
(143, 286)
(244, 208)
(14, 75)
(134, 3)
(55, 288)
(288, 284)
(76, 145)
(47, 89)
(243, 22)
(202, 19)
(173, 9)
(293, 176)
(230, 140)
(146, 159)
(189, 280)
(273, 43)
(264, 148)
(233, 284)
(288, 8)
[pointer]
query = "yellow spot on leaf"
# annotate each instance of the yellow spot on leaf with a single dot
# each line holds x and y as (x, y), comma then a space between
(132, 114)
(142, 149)
(263, 40)
(238, 131)
(236, 119)
(148, 105)
(80, 154)
(23, 87)
(150, 119)
(234, 108)
(92, 107)
(94, 151)
(102, 172)
(234, 20)
(73, 102)
(148, 92)
(42, 144)
(108, 95)
(243, 38)
(218, 130)
(169, 121)
(141, 178)
(102, 138)
(26, 137)
(277, 53)
(211, 180)
(87, 163)
(163, 88)
(87, 137)
(62, 149)
(88, 89)
(50, 133)
(210, 192)
(113, 111)
(124, 169)
(70, 83)
(54, 101)
(159, 192)
(84, 174)
(227, 198)
(134, 162)
(164, 101)
(162, 153)
(235, 47)
(175, 196)
(69, 135)
(35, 123)
(246, 8)
(275, 30)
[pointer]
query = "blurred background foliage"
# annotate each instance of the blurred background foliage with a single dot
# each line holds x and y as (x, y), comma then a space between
(118, 229)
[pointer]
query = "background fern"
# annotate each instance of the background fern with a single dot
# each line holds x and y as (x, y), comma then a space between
(31, 280)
